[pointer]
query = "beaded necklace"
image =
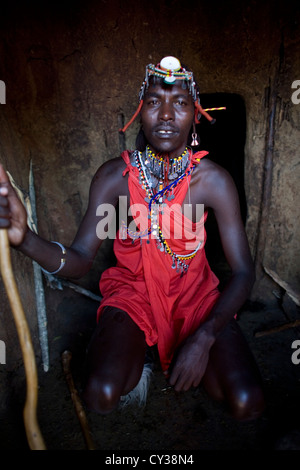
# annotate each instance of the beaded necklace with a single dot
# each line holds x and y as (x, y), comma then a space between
(165, 169)
(155, 206)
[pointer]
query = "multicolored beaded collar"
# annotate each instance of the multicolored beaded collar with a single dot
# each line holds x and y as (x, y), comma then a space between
(165, 169)
(155, 206)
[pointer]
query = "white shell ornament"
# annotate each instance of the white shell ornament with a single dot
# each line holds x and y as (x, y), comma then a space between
(170, 79)
(170, 63)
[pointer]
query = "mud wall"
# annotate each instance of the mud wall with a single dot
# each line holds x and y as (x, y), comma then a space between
(72, 74)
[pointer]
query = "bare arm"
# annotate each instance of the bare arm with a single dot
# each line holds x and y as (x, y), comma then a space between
(105, 188)
(219, 193)
(225, 203)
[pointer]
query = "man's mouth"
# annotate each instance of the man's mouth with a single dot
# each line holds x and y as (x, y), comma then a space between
(165, 132)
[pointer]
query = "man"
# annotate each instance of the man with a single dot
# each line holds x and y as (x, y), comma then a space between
(162, 291)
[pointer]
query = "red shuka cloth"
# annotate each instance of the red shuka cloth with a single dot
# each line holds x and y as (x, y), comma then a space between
(168, 307)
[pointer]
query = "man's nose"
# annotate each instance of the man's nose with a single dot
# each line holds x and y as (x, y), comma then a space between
(166, 112)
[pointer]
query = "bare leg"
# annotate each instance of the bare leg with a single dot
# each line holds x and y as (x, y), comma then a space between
(115, 360)
(233, 376)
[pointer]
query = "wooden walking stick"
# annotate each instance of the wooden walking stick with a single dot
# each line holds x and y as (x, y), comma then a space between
(34, 437)
(66, 362)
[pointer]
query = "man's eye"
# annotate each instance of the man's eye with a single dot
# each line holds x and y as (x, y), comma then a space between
(181, 102)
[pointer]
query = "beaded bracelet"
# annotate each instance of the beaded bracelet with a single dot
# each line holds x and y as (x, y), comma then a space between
(62, 260)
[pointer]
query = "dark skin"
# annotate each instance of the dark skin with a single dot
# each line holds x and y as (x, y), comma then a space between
(216, 354)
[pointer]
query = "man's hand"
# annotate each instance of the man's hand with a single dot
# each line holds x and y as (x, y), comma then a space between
(13, 214)
(191, 361)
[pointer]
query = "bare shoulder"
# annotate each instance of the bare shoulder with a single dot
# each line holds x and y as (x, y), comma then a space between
(111, 169)
(108, 182)
(211, 172)
(212, 183)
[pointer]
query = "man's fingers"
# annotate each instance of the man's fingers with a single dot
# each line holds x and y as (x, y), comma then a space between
(5, 185)
(180, 381)
(6, 188)
(3, 191)
(3, 175)
(3, 198)
(5, 214)
(4, 223)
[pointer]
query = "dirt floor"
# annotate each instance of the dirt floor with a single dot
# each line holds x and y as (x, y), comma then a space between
(170, 421)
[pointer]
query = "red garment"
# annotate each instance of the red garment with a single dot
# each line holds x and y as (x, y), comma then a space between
(166, 305)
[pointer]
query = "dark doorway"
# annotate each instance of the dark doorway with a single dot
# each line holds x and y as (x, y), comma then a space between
(225, 142)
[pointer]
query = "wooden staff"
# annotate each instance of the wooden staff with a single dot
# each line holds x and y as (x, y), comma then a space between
(34, 437)
(66, 362)
(276, 329)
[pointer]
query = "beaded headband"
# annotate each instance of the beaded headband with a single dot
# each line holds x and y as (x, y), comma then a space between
(170, 70)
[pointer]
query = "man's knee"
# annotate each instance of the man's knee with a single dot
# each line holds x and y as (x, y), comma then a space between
(101, 396)
(247, 404)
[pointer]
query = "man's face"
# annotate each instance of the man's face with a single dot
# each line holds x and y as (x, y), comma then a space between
(167, 116)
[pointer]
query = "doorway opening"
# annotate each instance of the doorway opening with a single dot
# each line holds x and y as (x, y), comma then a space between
(225, 142)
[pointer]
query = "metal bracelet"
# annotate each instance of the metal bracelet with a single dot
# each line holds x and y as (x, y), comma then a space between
(62, 260)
